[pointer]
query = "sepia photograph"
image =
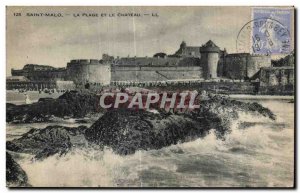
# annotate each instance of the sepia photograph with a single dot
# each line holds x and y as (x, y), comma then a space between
(150, 97)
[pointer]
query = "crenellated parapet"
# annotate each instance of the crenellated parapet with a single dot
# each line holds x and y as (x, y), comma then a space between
(84, 62)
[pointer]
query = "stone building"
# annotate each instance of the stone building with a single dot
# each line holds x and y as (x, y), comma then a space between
(244, 65)
(23, 83)
(35, 72)
(188, 63)
(288, 60)
(276, 80)
(273, 76)
(187, 51)
(84, 71)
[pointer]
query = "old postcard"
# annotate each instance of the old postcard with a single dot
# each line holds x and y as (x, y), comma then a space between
(150, 97)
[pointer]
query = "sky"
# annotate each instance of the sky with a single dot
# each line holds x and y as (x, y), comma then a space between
(56, 40)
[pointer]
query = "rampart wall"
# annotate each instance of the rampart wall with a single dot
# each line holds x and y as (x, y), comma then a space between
(151, 73)
(243, 65)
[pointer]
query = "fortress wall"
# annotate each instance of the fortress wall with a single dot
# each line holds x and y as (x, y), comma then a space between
(214, 87)
(145, 61)
(239, 66)
(77, 73)
(99, 73)
(235, 67)
(46, 74)
(229, 87)
(277, 76)
(254, 63)
(220, 68)
(83, 71)
(277, 81)
(154, 61)
(140, 74)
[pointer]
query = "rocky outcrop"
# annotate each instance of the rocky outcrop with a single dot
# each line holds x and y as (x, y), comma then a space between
(15, 175)
(72, 104)
(46, 142)
(126, 131)
(226, 107)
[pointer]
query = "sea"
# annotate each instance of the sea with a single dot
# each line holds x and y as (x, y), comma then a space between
(258, 152)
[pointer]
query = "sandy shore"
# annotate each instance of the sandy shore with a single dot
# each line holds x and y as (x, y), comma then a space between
(18, 98)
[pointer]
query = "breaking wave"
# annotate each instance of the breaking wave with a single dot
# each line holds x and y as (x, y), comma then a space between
(260, 154)
(257, 152)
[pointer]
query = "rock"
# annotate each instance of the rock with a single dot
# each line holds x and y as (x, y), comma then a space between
(220, 104)
(46, 142)
(126, 131)
(75, 104)
(15, 175)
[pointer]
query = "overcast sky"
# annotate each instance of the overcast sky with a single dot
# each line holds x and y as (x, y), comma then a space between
(55, 41)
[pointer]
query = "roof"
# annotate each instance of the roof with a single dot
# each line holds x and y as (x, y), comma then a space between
(209, 46)
(186, 51)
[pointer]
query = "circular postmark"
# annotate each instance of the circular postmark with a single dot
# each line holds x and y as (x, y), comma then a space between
(263, 36)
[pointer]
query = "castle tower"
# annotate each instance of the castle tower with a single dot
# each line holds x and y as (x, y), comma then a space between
(183, 45)
(82, 71)
(209, 59)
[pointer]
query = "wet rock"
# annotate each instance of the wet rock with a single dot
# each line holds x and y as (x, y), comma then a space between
(126, 131)
(75, 104)
(46, 142)
(15, 175)
(223, 105)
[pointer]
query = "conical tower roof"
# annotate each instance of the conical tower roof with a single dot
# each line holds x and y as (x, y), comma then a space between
(209, 46)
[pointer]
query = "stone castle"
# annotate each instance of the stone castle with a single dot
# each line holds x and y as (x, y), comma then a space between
(204, 63)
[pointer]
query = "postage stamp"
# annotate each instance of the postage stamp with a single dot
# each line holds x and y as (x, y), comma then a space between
(269, 32)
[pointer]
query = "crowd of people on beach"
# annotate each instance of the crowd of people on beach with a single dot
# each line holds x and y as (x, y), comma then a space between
(48, 91)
